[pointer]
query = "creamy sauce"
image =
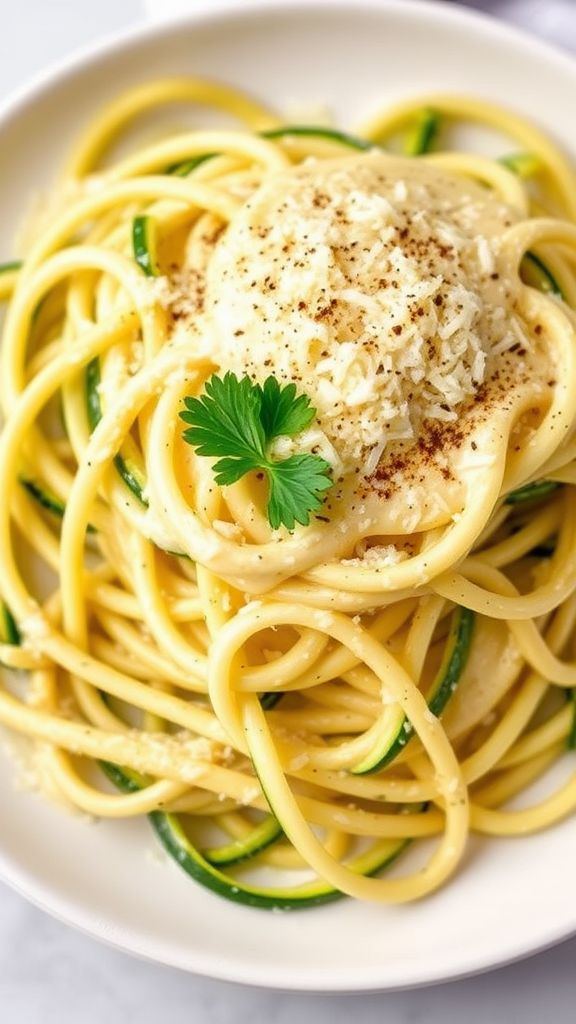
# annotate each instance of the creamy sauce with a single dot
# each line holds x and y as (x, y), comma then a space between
(373, 283)
(379, 285)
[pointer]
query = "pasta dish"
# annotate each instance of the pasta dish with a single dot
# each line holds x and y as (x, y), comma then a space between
(288, 534)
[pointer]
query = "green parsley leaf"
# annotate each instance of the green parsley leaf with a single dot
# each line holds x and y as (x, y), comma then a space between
(236, 421)
(295, 488)
(226, 419)
(281, 412)
(229, 471)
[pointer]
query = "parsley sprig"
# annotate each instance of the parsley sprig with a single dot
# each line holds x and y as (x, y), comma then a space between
(236, 422)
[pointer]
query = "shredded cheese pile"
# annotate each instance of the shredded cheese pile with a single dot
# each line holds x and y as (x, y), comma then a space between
(377, 295)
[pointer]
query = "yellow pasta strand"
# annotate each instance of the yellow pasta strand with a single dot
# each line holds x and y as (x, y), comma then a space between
(232, 671)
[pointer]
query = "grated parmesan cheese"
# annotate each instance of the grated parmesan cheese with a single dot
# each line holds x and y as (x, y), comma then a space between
(377, 557)
(34, 628)
(367, 282)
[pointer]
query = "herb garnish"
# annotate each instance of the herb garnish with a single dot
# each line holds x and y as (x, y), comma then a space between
(236, 421)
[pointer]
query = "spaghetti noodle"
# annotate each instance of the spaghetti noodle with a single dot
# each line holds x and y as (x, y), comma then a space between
(307, 699)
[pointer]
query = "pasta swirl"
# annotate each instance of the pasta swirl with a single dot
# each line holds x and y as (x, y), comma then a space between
(401, 664)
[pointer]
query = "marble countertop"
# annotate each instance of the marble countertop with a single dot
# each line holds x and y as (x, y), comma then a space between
(50, 974)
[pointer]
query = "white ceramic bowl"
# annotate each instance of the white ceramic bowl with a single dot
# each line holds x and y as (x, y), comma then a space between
(511, 897)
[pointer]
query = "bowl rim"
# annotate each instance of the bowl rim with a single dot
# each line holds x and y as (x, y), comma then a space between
(58, 72)
(114, 42)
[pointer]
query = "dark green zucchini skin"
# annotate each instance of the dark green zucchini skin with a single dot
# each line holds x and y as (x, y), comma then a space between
(9, 632)
(535, 273)
(177, 844)
(525, 165)
(270, 700)
(453, 663)
(43, 497)
(532, 492)
(129, 473)
(144, 244)
(319, 132)
(186, 167)
(263, 835)
(422, 137)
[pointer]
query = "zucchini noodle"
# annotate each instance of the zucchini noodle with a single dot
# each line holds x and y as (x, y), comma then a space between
(401, 668)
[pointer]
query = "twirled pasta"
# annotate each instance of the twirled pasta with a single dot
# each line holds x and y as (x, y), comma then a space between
(245, 679)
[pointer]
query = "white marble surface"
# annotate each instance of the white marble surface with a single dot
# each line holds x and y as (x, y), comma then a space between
(50, 974)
